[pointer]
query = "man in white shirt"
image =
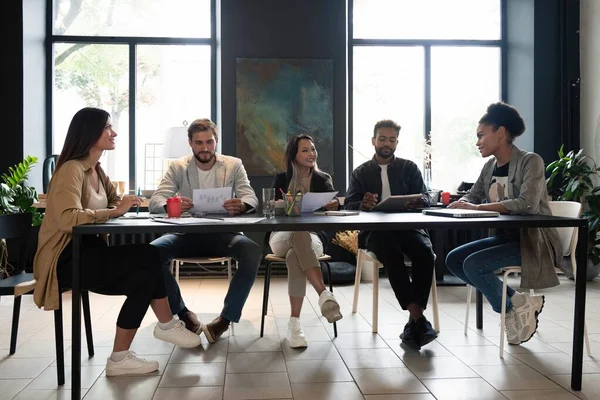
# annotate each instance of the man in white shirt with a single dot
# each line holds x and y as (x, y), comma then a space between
(205, 169)
(375, 180)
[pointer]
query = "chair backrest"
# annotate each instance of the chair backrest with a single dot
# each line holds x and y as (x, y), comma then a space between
(48, 170)
(568, 236)
(16, 227)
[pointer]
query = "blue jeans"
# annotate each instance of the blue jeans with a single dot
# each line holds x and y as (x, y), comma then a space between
(246, 252)
(476, 262)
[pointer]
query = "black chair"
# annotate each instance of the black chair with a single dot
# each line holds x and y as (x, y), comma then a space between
(48, 170)
(273, 259)
(17, 226)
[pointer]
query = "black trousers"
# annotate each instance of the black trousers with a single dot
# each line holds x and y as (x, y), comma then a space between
(390, 247)
(133, 270)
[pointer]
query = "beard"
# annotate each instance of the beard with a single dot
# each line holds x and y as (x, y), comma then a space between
(381, 152)
(202, 160)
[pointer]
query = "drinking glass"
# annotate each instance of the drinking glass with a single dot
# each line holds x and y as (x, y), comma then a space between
(268, 201)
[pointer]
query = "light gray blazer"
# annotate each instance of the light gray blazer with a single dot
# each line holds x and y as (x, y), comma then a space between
(541, 248)
(182, 178)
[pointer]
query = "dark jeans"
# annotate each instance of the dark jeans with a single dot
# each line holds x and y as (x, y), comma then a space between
(390, 247)
(237, 246)
(133, 270)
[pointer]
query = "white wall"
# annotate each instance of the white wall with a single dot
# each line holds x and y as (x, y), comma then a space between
(590, 77)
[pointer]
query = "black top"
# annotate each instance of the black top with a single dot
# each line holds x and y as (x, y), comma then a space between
(320, 182)
(404, 177)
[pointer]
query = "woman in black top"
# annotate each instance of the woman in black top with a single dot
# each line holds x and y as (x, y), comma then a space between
(301, 249)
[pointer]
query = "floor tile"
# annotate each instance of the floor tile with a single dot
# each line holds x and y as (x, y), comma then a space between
(514, 377)
(387, 380)
(257, 386)
(133, 388)
(326, 391)
(552, 394)
(439, 367)
(239, 363)
(321, 371)
(462, 389)
(189, 393)
(203, 374)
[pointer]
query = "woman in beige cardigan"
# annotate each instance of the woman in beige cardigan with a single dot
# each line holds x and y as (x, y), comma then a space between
(80, 193)
(511, 182)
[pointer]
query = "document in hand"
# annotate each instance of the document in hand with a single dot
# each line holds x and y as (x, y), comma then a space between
(397, 203)
(210, 201)
(313, 201)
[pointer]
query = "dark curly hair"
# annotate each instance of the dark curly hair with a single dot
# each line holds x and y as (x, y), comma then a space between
(502, 114)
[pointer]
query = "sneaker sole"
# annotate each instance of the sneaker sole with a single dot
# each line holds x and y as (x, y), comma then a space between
(331, 311)
(128, 372)
(428, 340)
(537, 321)
(299, 346)
(209, 336)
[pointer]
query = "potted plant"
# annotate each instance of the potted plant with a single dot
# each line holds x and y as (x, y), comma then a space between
(574, 176)
(16, 198)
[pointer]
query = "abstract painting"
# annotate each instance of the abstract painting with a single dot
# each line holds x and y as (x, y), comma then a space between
(277, 99)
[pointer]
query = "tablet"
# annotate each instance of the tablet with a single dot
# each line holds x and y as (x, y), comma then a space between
(397, 203)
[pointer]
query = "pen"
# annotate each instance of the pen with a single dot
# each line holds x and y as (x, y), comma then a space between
(137, 209)
(282, 194)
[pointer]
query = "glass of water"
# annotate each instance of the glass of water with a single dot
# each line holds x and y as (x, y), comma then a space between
(268, 201)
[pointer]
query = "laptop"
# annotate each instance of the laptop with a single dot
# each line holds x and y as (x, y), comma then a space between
(460, 213)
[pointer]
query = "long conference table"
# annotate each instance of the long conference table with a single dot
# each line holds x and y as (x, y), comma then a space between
(363, 221)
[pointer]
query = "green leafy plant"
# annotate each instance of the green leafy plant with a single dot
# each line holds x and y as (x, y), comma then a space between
(15, 195)
(574, 176)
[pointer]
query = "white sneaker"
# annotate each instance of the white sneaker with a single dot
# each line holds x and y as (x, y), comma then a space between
(132, 364)
(295, 334)
(510, 325)
(329, 306)
(527, 316)
(177, 335)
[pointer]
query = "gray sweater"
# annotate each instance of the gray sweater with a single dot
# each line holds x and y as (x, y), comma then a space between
(541, 248)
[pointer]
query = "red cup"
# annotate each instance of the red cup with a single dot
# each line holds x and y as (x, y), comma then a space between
(445, 198)
(174, 207)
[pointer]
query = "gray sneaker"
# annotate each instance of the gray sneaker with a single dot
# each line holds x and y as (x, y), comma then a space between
(510, 325)
(527, 316)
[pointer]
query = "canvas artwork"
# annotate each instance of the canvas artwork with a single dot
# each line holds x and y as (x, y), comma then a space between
(277, 99)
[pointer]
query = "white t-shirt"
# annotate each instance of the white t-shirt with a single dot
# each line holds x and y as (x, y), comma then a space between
(207, 179)
(385, 183)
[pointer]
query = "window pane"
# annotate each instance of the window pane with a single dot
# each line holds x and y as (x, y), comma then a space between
(173, 86)
(464, 81)
(427, 19)
(93, 75)
(388, 84)
(168, 18)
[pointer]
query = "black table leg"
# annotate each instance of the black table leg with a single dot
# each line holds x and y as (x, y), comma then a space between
(76, 328)
(579, 320)
(479, 309)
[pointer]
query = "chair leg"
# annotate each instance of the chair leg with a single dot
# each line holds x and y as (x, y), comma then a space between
(374, 326)
(265, 298)
(434, 305)
(229, 280)
(59, 339)
(585, 333)
(359, 263)
(503, 313)
(87, 318)
(469, 295)
(15, 324)
(331, 290)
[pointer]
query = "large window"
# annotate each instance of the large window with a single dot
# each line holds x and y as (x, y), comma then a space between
(147, 62)
(433, 66)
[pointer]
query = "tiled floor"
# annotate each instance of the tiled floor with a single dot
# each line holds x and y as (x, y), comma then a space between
(356, 365)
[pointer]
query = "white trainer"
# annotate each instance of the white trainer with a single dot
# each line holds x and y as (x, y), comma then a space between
(527, 316)
(132, 364)
(510, 325)
(295, 334)
(178, 336)
(329, 306)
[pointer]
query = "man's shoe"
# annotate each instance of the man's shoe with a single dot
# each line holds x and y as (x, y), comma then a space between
(329, 306)
(424, 331)
(215, 329)
(295, 334)
(132, 364)
(409, 335)
(510, 325)
(192, 323)
(527, 316)
(177, 335)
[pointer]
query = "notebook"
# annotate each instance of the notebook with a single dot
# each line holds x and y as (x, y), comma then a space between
(397, 203)
(460, 213)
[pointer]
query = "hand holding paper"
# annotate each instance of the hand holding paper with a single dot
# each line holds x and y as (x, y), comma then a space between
(313, 201)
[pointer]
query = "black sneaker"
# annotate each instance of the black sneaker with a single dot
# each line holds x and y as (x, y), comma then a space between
(409, 336)
(424, 332)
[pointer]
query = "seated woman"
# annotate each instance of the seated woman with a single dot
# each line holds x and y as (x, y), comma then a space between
(81, 193)
(301, 249)
(511, 182)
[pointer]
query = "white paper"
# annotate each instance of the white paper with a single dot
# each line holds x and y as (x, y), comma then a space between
(210, 201)
(313, 201)
(189, 221)
(239, 220)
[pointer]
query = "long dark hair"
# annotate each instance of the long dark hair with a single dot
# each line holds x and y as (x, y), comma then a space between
(291, 170)
(84, 131)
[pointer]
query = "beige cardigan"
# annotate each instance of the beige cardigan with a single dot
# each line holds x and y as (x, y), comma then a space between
(541, 249)
(67, 192)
